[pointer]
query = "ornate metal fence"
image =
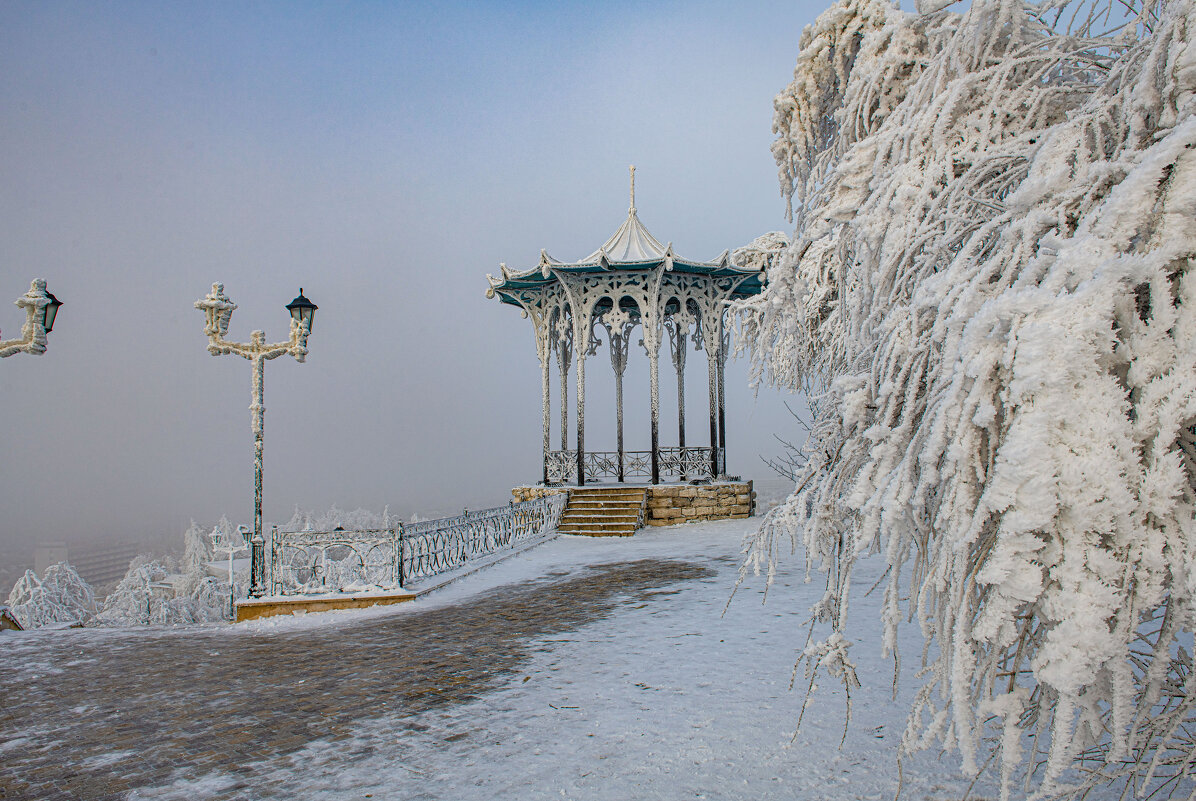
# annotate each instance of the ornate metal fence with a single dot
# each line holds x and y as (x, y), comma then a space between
(561, 466)
(680, 463)
(306, 562)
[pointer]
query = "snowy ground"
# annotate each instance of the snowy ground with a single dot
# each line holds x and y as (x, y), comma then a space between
(659, 696)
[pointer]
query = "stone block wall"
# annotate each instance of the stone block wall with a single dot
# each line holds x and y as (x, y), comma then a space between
(684, 503)
(669, 504)
(531, 493)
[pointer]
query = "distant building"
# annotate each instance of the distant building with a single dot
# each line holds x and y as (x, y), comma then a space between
(97, 564)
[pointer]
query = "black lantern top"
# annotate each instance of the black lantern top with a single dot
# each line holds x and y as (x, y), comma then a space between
(51, 311)
(302, 310)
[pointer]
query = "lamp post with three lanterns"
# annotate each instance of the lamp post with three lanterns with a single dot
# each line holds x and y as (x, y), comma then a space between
(218, 310)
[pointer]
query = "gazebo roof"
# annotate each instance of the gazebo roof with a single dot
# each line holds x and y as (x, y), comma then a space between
(632, 242)
(631, 248)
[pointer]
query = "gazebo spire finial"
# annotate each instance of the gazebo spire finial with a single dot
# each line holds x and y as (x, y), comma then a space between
(632, 209)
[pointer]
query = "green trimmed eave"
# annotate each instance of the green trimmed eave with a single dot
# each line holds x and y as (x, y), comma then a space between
(533, 280)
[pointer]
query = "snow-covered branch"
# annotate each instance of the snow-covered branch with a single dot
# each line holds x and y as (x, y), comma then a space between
(991, 288)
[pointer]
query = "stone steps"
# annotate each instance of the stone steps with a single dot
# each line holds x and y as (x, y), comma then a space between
(620, 518)
(599, 506)
(602, 511)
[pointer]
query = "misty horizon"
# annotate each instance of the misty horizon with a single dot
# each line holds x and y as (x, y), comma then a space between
(384, 159)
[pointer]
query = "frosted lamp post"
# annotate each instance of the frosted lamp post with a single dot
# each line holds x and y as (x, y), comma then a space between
(40, 310)
(218, 311)
(221, 543)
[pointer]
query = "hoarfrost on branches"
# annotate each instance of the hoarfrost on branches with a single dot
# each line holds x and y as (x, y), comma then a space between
(990, 294)
(159, 592)
(357, 520)
(197, 553)
(145, 597)
(59, 596)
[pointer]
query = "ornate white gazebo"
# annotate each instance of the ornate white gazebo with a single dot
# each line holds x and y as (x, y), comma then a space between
(632, 280)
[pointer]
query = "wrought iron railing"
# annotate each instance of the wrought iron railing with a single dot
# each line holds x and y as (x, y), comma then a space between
(680, 463)
(560, 466)
(307, 562)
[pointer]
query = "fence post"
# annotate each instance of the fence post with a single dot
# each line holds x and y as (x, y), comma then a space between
(275, 560)
(401, 570)
(256, 567)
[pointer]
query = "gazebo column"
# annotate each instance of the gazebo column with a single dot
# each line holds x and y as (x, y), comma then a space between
(581, 417)
(652, 326)
(562, 333)
(723, 342)
(654, 391)
(652, 319)
(564, 371)
(563, 358)
(678, 328)
(545, 401)
(587, 345)
(618, 327)
(619, 420)
(712, 387)
(681, 404)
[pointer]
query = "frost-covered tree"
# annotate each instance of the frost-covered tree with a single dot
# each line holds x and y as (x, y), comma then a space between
(991, 293)
(356, 520)
(197, 553)
(59, 596)
(133, 600)
(143, 597)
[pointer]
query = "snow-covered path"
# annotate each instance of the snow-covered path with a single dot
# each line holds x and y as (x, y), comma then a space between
(584, 669)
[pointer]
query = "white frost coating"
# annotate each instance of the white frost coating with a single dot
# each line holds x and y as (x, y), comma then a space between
(357, 520)
(145, 597)
(33, 333)
(59, 596)
(991, 290)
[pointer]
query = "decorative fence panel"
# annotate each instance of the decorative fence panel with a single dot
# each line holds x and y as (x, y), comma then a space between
(307, 562)
(561, 466)
(679, 463)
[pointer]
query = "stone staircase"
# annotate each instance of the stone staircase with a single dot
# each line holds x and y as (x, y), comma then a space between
(604, 511)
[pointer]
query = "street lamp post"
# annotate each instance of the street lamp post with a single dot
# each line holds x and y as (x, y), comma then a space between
(40, 310)
(218, 310)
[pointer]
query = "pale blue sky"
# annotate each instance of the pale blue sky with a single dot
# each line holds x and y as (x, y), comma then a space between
(385, 157)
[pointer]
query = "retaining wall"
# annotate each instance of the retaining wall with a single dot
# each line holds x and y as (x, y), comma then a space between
(669, 504)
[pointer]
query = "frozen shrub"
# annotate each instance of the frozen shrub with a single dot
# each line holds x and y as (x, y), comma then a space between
(60, 596)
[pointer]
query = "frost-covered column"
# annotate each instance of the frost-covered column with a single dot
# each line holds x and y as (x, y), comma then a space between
(678, 330)
(218, 310)
(712, 342)
(651, 320)
(581, 404)
(544, 334)
(40, 307)
(545, 400)
(563, 344)
(543, 313)
(715, 339)
(589, 348)
(724, 340)
(582, 296)
(618, 327)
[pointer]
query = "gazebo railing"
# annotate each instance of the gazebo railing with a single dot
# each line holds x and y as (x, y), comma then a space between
(560, 466)
(310, 562)
(680, 463)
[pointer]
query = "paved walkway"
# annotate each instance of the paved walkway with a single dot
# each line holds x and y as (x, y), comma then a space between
(538, 679)
(95, 716)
